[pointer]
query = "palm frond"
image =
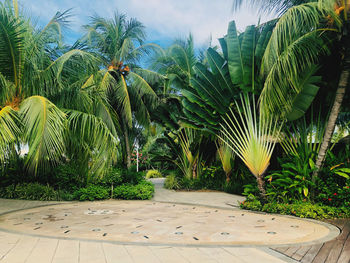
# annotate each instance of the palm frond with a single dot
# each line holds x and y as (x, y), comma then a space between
(123, 97)
(11, 46)
(9, 130)
(93, 132)
(295, 46)
(44, 131)
(268, 6)
(251, 137)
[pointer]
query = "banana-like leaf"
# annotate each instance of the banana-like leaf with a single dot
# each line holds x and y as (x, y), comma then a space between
(248, 56)
(223, 44)
(219, 69)
(201, 112)
(208, 88)
(235, 62)
(193, 97)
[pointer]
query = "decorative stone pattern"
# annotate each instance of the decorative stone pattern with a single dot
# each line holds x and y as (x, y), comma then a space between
(153, 222)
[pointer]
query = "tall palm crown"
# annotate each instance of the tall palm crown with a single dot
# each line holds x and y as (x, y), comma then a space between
(176, 62)
(297, 42)
(120, 45)
(35, 72)
(267, 6)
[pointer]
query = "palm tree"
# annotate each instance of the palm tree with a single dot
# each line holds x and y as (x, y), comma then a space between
(35, 72)
(296, 44)
(176, 63)
(252, 137)
(119, 43)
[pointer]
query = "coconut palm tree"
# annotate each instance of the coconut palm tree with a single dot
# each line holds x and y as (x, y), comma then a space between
(119, 43)
(296, 44)
(35, 73)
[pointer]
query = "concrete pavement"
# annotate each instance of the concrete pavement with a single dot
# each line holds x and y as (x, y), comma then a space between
(149, 231)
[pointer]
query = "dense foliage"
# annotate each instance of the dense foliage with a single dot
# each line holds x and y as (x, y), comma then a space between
(77, 121)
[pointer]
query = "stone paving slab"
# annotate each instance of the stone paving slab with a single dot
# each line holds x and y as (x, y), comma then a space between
(35, 248)
(10, 205)
(207, 198)
(148, 222)
(45, 250)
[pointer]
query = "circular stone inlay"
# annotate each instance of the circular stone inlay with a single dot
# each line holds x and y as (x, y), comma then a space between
(160, 223)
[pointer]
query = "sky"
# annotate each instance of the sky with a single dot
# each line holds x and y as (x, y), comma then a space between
(165, 20)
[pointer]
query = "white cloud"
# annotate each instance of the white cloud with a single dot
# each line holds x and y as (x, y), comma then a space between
(169, 18)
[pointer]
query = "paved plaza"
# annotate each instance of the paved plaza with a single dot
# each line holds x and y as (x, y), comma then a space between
(173, 227)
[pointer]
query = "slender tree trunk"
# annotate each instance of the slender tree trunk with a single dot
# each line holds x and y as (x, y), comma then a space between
(228, 176)
(261, 187)
(339, 96)
(194, 170)
(127, 146)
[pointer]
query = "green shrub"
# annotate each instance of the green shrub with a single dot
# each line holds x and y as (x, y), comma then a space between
(66, 176)
(171, 182)
(153, 174)
(92, 192)
(302, 209)
(113, 176)
(144, 190)
(30, 191)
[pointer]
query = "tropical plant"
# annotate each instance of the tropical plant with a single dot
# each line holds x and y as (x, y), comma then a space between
(227, 159)
(153, 174)
(176, 65)
(119, 43)
(190, 158)
(300, 139)
(36, 76)
(293, 182)
(216, 84)
(251, 137)
(296, 44)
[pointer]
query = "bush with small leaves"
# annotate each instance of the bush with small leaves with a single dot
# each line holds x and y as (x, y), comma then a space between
(143, 191)
(301, 209)
(153, 174)
(30, 191)
(92, 192)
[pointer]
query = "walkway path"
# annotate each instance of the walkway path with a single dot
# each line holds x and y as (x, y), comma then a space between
(333, 251)
(58, 233)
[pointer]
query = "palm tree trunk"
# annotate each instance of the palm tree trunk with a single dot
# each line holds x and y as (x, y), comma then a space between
(261, 187)
(194, 170)
(228, 176)
(127, 146)
(339, 96)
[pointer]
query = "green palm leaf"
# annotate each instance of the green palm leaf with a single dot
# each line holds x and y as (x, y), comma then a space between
(100, 143)
(295, 46)
(235, 62)
(9, 130)
(11, 45)
(305, 97)
(44, 131)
